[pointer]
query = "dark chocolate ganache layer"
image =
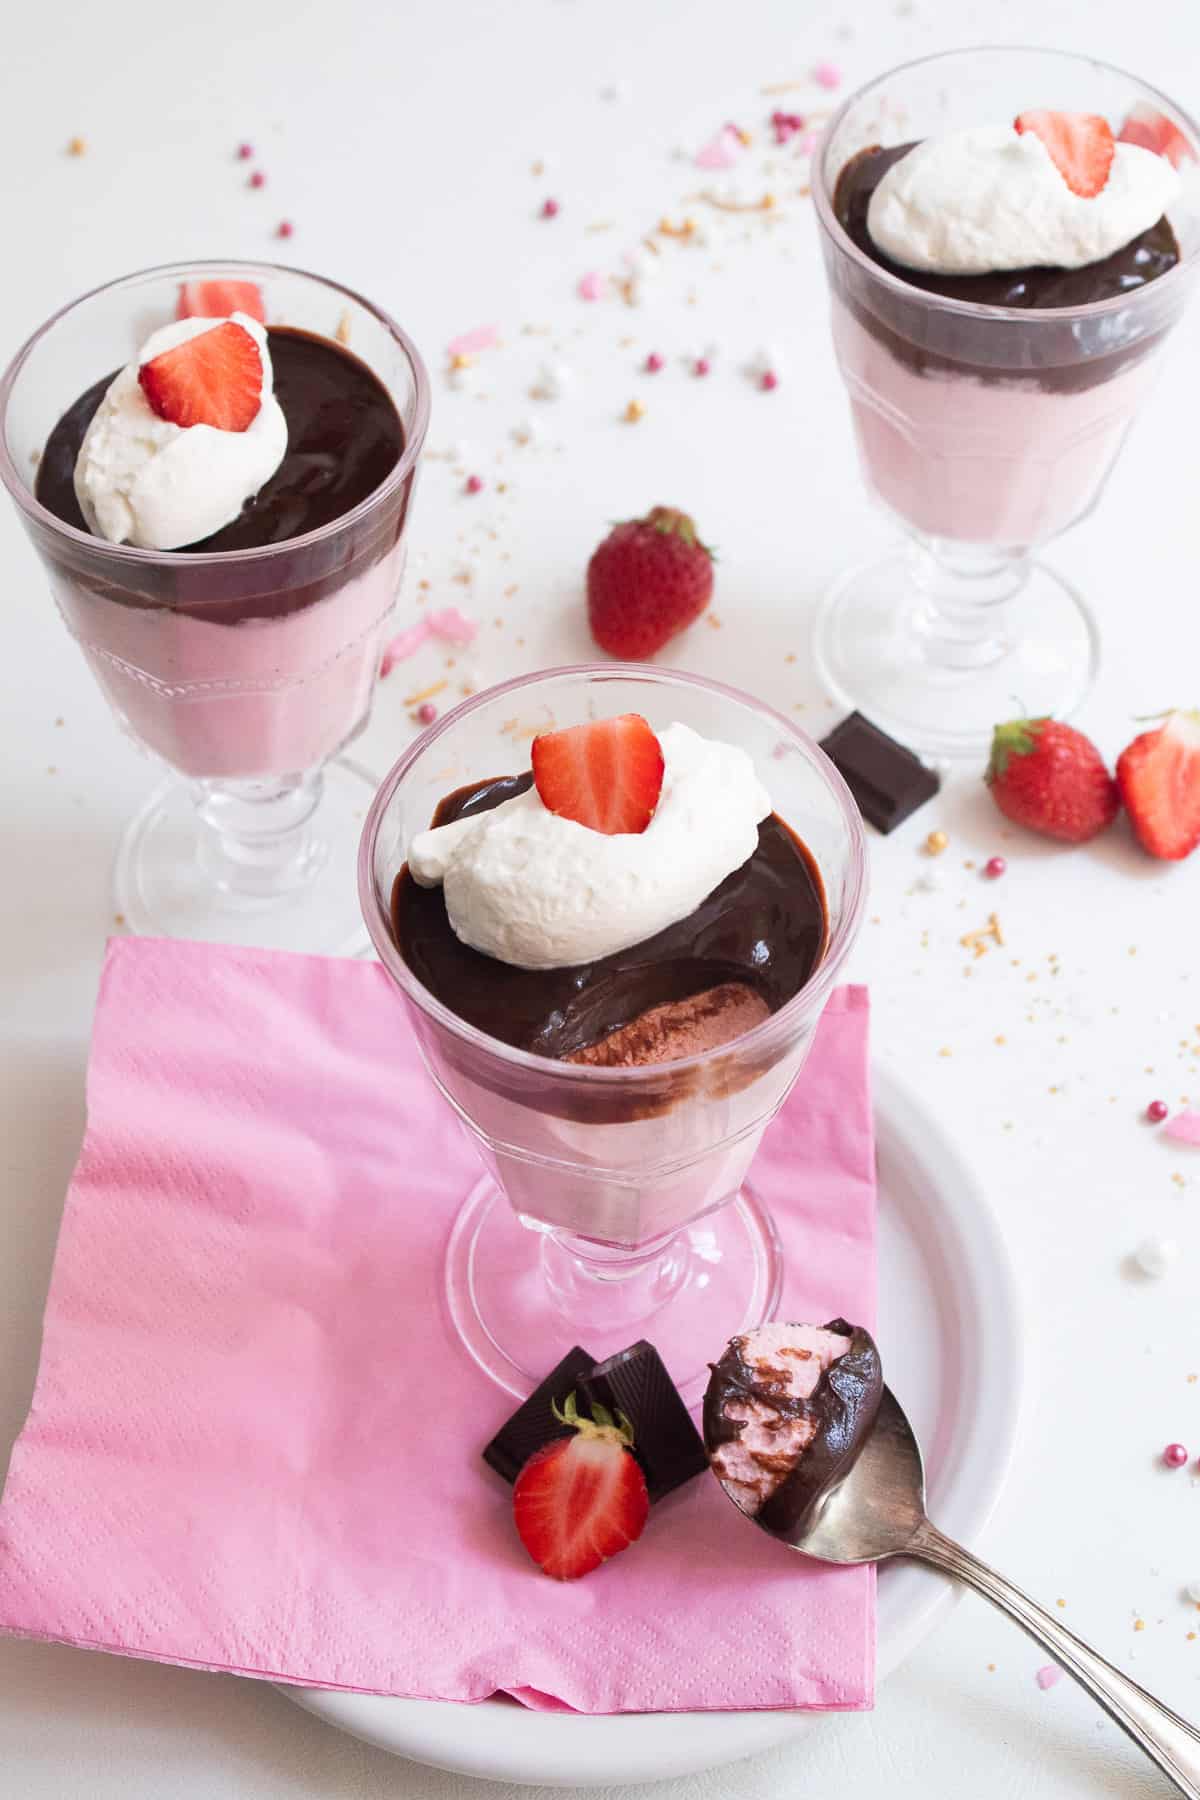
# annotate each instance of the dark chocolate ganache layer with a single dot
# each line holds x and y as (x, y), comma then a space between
(344, 439)
(1148, 256)
(765, 928)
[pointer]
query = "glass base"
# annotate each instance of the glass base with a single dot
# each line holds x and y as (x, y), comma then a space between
(520, 1298)
(874, 652)
(165, 883)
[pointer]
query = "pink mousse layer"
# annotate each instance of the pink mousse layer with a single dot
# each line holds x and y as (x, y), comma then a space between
(787, 1360)
(986, 462)
(265, 697)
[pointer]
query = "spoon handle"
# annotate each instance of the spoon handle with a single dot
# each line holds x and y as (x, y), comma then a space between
(1172, 1743)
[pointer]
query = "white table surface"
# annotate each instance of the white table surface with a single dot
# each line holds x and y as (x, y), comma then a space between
(399, 139)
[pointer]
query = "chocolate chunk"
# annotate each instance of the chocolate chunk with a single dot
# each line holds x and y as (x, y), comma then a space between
(887, 780)
(665, 1441)
(534, 1424)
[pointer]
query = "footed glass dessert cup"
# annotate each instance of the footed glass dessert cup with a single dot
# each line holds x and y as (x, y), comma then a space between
(986, 431)
(248, 671)
(615, 1203)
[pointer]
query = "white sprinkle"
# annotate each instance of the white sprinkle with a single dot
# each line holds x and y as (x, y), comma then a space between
(1154, 1256)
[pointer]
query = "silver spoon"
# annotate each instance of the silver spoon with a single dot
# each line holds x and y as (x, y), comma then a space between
(878, 1511)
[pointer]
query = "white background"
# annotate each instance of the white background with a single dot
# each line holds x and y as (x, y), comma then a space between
(399, 139)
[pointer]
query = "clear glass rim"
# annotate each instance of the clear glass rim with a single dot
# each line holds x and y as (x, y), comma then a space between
(973, 309)
(809, 998)
(128, 555)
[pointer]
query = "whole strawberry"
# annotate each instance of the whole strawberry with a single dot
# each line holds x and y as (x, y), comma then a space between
(1052, 779)
(648, 580)
(581, 1499)
(1159, 778)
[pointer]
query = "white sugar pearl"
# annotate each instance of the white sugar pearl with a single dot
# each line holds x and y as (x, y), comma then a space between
(1193, 1591)
(1154, 1256)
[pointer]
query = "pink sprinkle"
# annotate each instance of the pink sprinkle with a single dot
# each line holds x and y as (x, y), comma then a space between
(722, 151)
(701, 366)
(994, 867)
(452, 626)
(591, 286)
(827, 75)
(427, 712)
(285, 228)
(482, 337)
(1049, 1677)
(1175, 1456)
(474, 484)
(785, 125)
(549, 209)
(1184, 1128)
(402, 646)
(258, 179)
(245, 152)
(807, 144)
(770, 381)
(654, 363)
(1157, 1111)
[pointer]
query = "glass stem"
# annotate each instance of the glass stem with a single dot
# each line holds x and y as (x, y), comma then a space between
(962, 612)
(606, 1287)
(259, 843)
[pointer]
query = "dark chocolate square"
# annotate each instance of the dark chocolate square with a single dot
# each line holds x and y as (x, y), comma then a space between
(534, 1424)
(666, 1443)
(888, 781)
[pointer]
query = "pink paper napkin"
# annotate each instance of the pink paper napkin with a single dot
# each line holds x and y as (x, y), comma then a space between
(253, 1444)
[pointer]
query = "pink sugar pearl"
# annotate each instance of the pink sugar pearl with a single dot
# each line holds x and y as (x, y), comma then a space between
(827, 75)
(258, 179)
(549, 209)
(1157, 1111)
(1175, 1455)
(769, 382)
(701, 366)
(654, 363)
(994, 867)
(474, 484)
(245, 152)
(427, 712)
(285, 228)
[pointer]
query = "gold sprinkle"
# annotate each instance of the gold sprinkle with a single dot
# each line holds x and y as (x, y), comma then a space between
(977, 941)
(1191, 1637)
(1139, 1624)
(511, 589)
(1060, 1603)
(790, 657)
(935, 843)
(944, 1051)
(789, 87)
(599, 225)
(342, 334)
(991, 1668)
(968, 865)
(712, 619)
(1001, 1039)
(118, 918)
(633, 412)
(425, 693)
(462, 359)
(538, 167)
(766, 204)
(77, 146)
(684, 230)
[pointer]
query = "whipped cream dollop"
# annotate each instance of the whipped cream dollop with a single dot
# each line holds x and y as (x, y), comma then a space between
(142, 480)
(977, 202)
(541, 892)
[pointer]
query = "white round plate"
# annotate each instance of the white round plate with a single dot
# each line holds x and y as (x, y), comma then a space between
(950, 1333)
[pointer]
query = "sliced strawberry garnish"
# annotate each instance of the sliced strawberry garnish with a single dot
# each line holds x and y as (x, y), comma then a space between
(607, 775)
(1159, 778)
(218, 299)
(1081, 145)
(581, 1499)
(214, 378)
(1154, 131)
